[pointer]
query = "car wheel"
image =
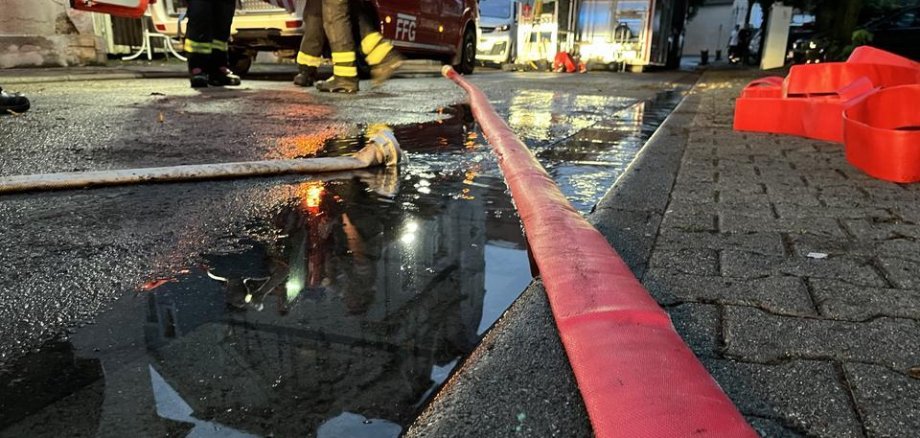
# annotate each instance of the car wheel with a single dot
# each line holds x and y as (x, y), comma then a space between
(467, 53)
(240, 61)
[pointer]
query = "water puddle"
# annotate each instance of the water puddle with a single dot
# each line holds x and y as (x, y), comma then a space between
(339, 306)
(587, 164)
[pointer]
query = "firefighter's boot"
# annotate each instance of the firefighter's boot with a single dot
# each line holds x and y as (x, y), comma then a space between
(383, 71)
(13, 103)
(339, 84)
(307, 66)
(381, 56)
(223, 76)
(306, 75)
(199, 57)
(220, 75)
(198, 78)
(344, 74)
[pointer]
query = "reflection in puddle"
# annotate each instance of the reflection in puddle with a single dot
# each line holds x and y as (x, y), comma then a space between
(541, 118)
(331, 307)
(588, 163)
(584, 141)
(339, 309)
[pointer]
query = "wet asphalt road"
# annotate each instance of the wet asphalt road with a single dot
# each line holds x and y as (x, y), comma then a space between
(67, 256)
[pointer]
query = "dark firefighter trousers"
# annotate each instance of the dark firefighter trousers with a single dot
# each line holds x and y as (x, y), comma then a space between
(332, 19)
(207, 34)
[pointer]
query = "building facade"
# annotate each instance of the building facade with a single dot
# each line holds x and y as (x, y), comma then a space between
(47, 33)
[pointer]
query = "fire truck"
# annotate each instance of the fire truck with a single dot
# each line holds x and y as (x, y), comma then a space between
(632, 33)
(444, 30)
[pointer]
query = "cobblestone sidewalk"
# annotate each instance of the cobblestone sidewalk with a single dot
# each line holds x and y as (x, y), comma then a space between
(805, 344)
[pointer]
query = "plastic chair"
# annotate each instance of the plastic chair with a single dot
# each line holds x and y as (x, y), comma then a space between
(146, 43)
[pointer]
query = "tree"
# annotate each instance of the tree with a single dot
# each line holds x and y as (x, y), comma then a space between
(835, 19)
(838, 18)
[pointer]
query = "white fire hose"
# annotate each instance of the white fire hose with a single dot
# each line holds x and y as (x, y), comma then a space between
(382, 150)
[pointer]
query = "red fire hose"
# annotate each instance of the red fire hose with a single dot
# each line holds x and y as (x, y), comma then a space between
(636, 375)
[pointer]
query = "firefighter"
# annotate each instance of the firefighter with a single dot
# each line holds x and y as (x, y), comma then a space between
(311, 46)
(378, 52)
(206, 42)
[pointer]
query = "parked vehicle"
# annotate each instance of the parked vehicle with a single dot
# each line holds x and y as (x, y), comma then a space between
(444, 30)
(497, 27)
(803, 48)
(897, 33)
(637, 33)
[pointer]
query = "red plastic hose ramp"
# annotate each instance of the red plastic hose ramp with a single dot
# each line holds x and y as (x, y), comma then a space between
(882, 134)
(637, 377)
(871, 55)
(818, 79)
(767, 108)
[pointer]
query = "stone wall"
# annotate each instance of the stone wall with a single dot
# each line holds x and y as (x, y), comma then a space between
(47, 33)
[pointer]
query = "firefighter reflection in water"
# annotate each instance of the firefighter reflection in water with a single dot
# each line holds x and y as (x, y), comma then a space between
(324, 249)
(334, 19)
(206, 43)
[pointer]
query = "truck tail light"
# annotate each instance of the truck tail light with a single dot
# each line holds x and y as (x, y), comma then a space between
(160, 27)
(293, 24)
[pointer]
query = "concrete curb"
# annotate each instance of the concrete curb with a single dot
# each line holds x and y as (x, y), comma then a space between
(630, 214)
(517, 382)
(488, 395)
(89, 76)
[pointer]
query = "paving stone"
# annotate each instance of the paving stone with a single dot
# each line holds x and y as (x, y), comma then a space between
(761, 208)
(882, 190)
(693, 221)
(778, 168)
(864, 229)
(744, 264)
(805, 396)
(888, 401)
(697, 177)
(699, 152)
(692, 261)
(844, 301)
(698, 325)
(762, 243)
(804, 198)
(796, 211)
(901, 272)
(782, 295)
(741, 166)
(695, 194)
(702, 170)
(910, 212)
(769, 428)
(739, 185)
(736, 222)
(836, 195)
(803, 244)
(790, 193)
(736, 197)
(903, 248)
(757, 336)
(827, 177)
